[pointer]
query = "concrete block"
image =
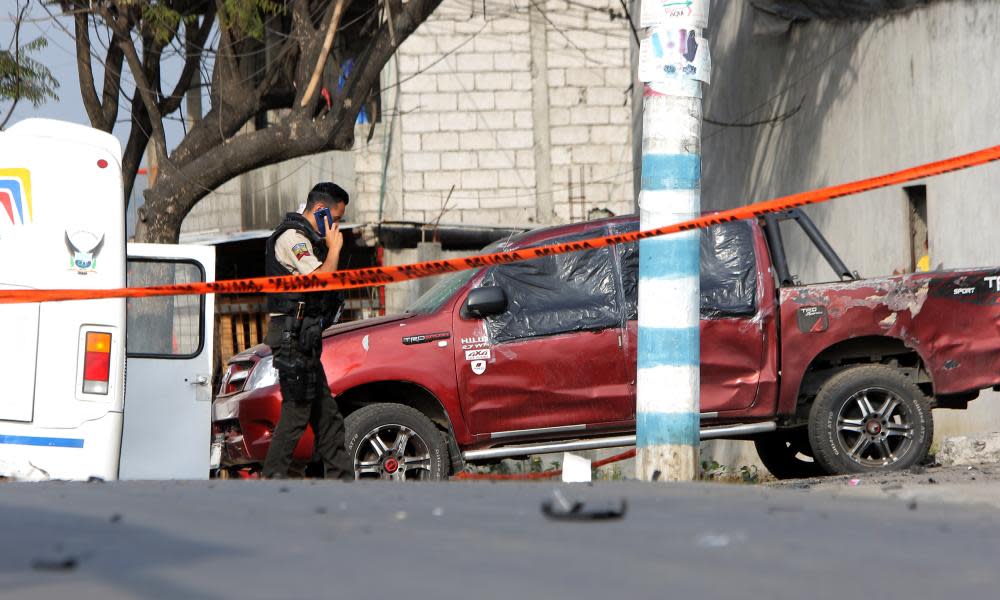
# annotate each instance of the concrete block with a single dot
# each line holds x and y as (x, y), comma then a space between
(557, 77)
(488, 42)
(591, 154)
(515, 24)
(506, 199)
(513, 61)
(584, 78)
(459, 121)
(422, 161)
(456, 82)
(431, 64)
(509, 100)
(561, 155)
(609, 57)
(458, 161)
(569, 135)
(609, 134)
(476, 140)
(516, 178)
(589, 40)
(567, 58)
(475, 63)
(421, 123)
(970, 450)
(414, 215)
(493, 81)
(408, 103)
(565, 96)
(418, 43)
(523, 119)
(525, 159)
(409, 63)
(515, 139)
(476, 101)
(497, 120)
(411, 142)
(421, 83)
(479, 180)
(413, 182)
(589, 115)
(438, 103)
(442, 181)
(558, 116)
(605, 96)
(445, 140)
(496, 159)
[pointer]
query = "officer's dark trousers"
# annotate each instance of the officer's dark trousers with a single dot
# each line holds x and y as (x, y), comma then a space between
(297, 412)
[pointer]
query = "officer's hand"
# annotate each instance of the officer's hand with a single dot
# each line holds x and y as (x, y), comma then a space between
(334, 239)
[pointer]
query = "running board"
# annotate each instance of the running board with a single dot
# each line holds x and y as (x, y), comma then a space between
(708, 433)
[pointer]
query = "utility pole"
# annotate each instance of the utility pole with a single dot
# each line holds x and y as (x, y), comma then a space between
(673, 64)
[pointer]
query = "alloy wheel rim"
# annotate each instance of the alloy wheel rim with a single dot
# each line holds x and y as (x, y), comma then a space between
(875, 427)
(392, 452)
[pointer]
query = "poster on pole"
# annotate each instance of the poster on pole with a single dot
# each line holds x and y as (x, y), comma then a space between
(680, 13)
(674, 54)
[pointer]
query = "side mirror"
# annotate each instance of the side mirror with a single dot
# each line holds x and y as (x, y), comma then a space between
(485, 301)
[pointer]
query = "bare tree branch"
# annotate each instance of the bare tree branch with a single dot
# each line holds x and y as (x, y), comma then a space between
(331, 30)
(192, 63)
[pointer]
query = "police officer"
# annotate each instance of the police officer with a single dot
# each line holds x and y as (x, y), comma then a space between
(295, 335)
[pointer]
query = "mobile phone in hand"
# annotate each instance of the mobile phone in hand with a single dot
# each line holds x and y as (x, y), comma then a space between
(324, 220)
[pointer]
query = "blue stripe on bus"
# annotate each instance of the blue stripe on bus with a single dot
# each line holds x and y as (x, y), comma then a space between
(26, 440)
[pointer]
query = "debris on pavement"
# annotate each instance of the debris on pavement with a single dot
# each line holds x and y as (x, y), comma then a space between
(970, 450)
(565, 510)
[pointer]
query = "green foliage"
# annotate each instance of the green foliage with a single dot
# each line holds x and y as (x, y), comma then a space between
(247, 16)
(22, 77)
(713, 471)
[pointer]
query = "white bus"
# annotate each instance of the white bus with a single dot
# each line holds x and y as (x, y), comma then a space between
(65, 409)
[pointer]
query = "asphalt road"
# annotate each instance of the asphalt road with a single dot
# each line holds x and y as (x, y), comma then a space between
(300, 539)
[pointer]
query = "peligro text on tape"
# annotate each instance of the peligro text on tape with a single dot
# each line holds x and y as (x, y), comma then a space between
(356, 278)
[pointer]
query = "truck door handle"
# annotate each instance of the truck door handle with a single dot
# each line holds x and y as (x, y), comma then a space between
(199, 380)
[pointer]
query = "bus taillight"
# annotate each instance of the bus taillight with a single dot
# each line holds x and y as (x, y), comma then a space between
(97, 363)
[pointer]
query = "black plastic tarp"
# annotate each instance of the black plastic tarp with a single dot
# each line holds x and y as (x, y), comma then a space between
(577, 291)
(556, 294)
(728, 272)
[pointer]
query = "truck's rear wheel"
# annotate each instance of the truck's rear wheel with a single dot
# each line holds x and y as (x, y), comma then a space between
(788, 455)
(395, 442)
(869, 418)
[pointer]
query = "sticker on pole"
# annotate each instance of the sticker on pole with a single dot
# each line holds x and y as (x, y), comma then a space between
(685, 13)
(674, 54)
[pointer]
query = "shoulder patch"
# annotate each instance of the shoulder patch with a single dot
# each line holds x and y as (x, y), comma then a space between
(299, 250)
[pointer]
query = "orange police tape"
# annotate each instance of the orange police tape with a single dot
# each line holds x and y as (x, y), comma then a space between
(356, 278)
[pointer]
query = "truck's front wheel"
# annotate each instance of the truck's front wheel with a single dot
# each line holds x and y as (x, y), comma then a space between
(395, 442)
(869, 418)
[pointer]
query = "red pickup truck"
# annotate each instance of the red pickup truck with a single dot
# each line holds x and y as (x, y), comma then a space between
(540, 356)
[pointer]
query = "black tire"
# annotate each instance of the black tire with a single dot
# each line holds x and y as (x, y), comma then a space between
(782, 453)
(373, 433)
(848, 431)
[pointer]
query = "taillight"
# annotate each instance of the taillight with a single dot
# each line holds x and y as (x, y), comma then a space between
(97, 363)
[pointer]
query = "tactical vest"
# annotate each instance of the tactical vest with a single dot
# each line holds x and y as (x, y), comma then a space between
(318, 304)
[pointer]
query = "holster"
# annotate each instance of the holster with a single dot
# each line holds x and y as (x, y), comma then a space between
(298, 354)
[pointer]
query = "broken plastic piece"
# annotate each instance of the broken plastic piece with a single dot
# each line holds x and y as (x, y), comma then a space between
(564, 510)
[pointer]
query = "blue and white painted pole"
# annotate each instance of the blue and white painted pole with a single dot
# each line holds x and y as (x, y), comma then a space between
(668, 381)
